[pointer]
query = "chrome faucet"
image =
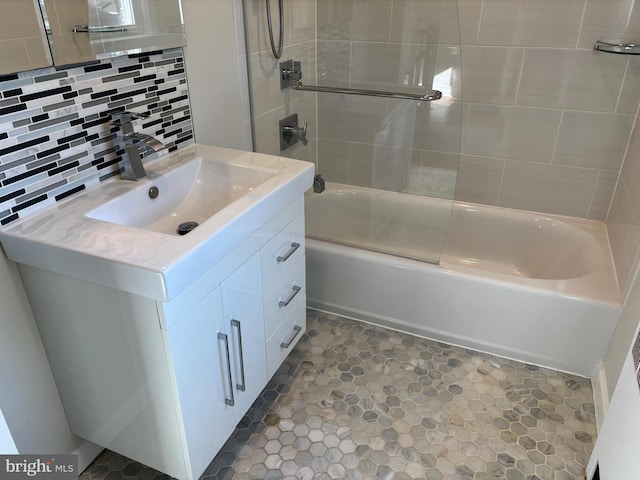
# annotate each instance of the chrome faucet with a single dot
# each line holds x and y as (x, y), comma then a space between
(134, 144)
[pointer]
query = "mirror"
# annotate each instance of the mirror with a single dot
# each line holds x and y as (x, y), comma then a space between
(23, 45)
(84, 30)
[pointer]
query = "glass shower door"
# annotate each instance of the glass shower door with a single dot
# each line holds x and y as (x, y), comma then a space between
(389, 164)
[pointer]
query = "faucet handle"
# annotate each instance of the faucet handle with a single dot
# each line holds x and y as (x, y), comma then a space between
(121, 116)
(294, 131)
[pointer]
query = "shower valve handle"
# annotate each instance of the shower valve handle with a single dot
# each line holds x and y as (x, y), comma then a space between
(299, 132)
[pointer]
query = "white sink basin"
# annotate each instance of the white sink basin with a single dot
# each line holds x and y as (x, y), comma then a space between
(192, 192)
(115, 235)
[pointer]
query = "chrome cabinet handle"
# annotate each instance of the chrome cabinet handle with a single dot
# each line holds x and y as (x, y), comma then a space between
(283, 258)
(240, 386)
(294, 291)
(296, 330)
(230, 402)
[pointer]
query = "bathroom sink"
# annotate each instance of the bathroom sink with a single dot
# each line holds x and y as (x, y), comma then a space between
(114, 234)
(185, 196)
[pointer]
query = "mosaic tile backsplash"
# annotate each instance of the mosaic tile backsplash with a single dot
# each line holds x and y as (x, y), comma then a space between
(55, 133)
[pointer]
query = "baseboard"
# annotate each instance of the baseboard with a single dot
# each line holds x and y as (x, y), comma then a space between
(87, 453)
(600, 393)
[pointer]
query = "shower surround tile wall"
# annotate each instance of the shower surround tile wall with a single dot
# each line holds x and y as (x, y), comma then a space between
(546, 120)
(269, 103)
(55, 135)
(623, 223)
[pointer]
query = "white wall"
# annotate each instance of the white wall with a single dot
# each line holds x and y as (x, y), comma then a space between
(217, 73)
(29, 399)
(7, 445)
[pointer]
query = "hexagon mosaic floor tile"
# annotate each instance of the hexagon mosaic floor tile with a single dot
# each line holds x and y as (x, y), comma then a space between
(356, 401)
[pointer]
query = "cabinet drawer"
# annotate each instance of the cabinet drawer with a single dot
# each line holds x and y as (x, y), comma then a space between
(288, 292)
(285, 338)
(282, 251)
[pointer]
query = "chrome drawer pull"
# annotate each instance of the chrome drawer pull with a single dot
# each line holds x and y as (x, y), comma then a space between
(295, 290)
(230, 402)
(240, 386)
(283, 258)
(296, 330)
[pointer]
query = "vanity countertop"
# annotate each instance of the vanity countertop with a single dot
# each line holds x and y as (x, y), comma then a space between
(64, 239)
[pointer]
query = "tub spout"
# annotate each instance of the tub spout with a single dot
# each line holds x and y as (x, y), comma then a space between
(318, 184)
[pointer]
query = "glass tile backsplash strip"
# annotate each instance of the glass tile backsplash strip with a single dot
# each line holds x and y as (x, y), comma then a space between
(55, 135)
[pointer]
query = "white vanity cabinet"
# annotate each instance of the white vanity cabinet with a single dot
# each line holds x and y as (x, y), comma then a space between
(166, 382)
(217, 351)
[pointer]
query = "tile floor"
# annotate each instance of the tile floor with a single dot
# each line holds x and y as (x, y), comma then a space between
(355, 401)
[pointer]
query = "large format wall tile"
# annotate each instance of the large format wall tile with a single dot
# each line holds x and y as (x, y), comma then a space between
(378, 166)
(576, 79)
(479, 179)
(602, 195)
(547, 188)
(438, 126)
(419, 21)
(300, 20)
(469, 17)
(624, 236)
(593, 140)
(431, 174)
(622, 220)
(521, 67)
(333, 160)
(350, 118)
(399, 67)
(354, 20)
(267, 124)
(491, 74)
(333, 63)
(630, 93)
(530, 23)
(512, 132)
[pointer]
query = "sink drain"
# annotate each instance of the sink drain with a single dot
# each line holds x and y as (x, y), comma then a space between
(186, 227)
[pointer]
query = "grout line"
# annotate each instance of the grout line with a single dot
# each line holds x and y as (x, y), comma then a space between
(593, 194)
(479, 22)
(465, 128)
(584, 11)
(555, 144)
(391, 22)
(624, 78)
(504, 168)
(624, 159)
(515, 97)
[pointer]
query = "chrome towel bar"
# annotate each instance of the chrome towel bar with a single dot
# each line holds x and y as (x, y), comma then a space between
(97, 29)
(435, 95)
(291, 76)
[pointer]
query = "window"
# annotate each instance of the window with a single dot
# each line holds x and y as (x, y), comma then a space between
(111, 13)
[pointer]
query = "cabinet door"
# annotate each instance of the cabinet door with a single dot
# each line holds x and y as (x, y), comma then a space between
(244, 321)
(199, 344)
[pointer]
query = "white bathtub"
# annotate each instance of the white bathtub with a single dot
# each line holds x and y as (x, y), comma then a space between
(532, 287)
